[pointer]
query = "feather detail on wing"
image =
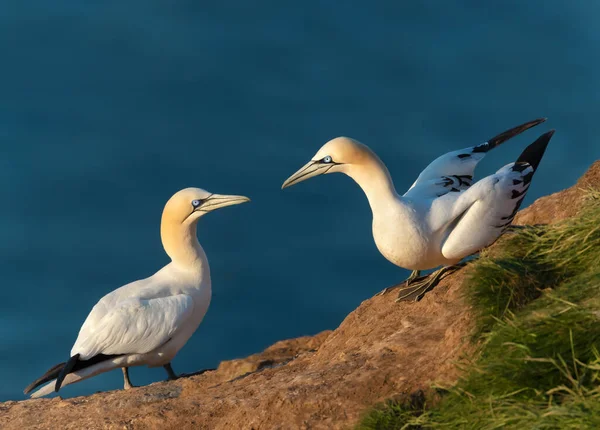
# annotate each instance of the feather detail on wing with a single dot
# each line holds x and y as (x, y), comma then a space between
(134, 325)
(453, 172)
(482, 213)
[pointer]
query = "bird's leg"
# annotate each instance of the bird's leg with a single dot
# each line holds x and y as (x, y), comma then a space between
(414, 275)
(170, 372)
(417, 290)
(126, 382)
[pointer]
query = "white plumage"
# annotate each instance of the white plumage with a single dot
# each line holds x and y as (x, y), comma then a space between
(148, 321)
(443, 217)
(125, 323)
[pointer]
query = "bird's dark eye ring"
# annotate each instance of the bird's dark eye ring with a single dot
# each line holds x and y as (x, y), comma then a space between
(327, 159)
(196, 203)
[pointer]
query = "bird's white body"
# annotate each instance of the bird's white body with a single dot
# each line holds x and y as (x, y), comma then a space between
(422, 230)
(147, 322)
(155, 317)
(165, 309)
(443, 217)
(411, 243)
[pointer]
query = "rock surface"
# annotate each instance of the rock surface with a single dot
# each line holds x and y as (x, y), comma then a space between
(325, 381)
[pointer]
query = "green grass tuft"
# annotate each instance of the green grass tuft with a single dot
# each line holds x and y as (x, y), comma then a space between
(395, 414)
(537, 300)
(535, 259)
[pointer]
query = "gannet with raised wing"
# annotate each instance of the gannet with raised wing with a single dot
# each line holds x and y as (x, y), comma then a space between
(444, 216)
(148, 321)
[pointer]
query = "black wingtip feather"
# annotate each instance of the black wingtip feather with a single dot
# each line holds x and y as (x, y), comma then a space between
(60, 371)
(51, 374)
(533, 154)
(506, 135)
(65, 371)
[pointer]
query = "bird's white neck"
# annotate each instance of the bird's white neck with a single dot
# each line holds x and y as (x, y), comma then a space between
(375, 180)
(181, 244)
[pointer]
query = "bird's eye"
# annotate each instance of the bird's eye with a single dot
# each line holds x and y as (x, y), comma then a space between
(196, 203)
(327, 159)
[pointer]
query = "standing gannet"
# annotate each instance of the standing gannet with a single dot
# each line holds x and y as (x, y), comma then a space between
(148, 321)
(443, 217)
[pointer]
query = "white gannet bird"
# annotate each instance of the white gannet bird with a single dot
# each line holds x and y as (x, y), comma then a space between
(148, 321)
(443, 217)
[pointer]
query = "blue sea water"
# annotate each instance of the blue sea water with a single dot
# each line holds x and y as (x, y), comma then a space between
(108, 108)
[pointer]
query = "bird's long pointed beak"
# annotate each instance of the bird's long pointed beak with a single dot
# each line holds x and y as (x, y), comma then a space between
(218, 201)
(310, 169)
(508, 134)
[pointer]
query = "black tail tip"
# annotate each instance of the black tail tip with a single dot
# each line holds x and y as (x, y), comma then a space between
(533, 154)
(65, 371)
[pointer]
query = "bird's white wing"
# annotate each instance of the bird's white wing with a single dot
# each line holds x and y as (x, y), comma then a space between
(134, 325)
(453, 172)
(157, 285)
(482, 213)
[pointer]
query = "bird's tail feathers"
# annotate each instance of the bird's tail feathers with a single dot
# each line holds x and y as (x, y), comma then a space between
(80, 370)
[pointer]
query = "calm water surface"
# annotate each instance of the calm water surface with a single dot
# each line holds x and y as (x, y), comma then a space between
(108, 108)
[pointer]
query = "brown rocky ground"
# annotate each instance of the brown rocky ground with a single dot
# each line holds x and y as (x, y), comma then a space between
(325, 381)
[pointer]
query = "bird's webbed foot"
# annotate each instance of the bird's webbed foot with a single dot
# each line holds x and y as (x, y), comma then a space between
(414, 276)
(420, 287)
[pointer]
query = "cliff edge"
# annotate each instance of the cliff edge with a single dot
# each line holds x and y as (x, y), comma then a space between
(325, 381)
